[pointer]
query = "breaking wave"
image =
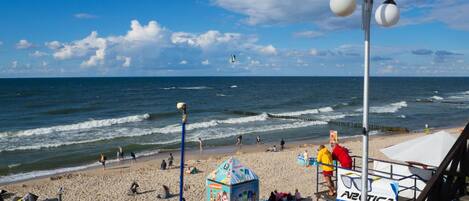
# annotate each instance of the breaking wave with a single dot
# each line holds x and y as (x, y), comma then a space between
(303, 112)
(187, 88)
(78, 126)
(390, 108)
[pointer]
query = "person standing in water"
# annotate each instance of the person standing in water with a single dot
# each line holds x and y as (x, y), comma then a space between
(200, 145)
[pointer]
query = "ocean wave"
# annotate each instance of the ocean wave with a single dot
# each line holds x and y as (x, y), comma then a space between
(234, 86)
(390, 108)
(78, 126)
(187, 88)
(436, 98)
(303, 112)
(221, 95)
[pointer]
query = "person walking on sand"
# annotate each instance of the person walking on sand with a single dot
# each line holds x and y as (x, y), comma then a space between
(258, 140)
(102, 160)
(282, 144)
(200, 145)
(134, 158)
(325, 158)
(170, 160)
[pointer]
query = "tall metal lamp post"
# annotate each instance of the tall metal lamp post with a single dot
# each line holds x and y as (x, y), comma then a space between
(386, 15)
(183, 108)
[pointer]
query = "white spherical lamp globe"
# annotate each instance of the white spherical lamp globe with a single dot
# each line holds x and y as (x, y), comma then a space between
(387, 14)
(342, 7)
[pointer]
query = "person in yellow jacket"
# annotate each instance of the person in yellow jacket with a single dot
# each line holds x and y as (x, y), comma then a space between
(325, 158)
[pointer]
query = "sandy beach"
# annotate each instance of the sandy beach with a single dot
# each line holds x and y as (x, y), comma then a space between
(276, 170)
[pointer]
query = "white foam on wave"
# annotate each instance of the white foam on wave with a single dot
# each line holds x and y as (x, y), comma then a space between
(234, 86)
(436, 98)
(187, 88)
(464, 96)
(390, 108)
(195, 88)
(303, 112)
(78, 126)
(221, 95)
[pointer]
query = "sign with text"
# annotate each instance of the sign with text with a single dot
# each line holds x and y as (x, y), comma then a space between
(349, 185)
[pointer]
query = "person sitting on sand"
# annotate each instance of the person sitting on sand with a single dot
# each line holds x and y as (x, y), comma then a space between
(272, 149)
(163, 165)
(341, 154)
(134, 188)
(325, 158)
(102, 160)
(297, 195)
(164, 193)
(170, 160)
(272, 197)
(192, 170)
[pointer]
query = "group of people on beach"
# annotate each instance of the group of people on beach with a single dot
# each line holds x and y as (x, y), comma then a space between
(119, 156)
(281, 196)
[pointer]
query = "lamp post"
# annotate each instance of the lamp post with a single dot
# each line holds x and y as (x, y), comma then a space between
(183, 108)
(386, 15)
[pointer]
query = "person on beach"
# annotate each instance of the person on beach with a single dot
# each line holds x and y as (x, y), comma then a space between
(121, 153)
(306, 158)
(200, 144)
(102, 160)
(297, 195)
(134, 188)
(134, 158)
(258, 140)
(341, 154)
(282, 144)
(170, 160)
(239, 140)
(325, 158)
(163, 165)
(272, 197)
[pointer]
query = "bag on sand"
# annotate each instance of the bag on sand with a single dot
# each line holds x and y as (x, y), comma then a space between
(27, 197)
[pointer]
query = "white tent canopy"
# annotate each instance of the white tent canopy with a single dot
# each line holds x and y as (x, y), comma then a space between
(429, 149)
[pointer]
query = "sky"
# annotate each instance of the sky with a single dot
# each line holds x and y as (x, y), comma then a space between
(89, 38)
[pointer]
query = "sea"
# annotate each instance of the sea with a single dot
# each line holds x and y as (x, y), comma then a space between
(55, 125)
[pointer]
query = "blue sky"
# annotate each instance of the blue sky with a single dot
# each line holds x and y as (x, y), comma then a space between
(53, 38)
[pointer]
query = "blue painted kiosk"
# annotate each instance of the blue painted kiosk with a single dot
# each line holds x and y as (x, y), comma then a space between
(232, 181)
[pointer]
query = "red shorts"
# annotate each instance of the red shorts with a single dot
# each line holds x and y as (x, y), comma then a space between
(327, 173)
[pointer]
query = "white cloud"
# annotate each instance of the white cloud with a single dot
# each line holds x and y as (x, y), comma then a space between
(38, 53)
(313, 52)
(206, 40)
(14, 64)
(85, 16)
(308, 34)
(44, 64)
(205, 62)
(269, 50)
(53, 45)
(126, 60)
(23, 44)
(154, 45)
